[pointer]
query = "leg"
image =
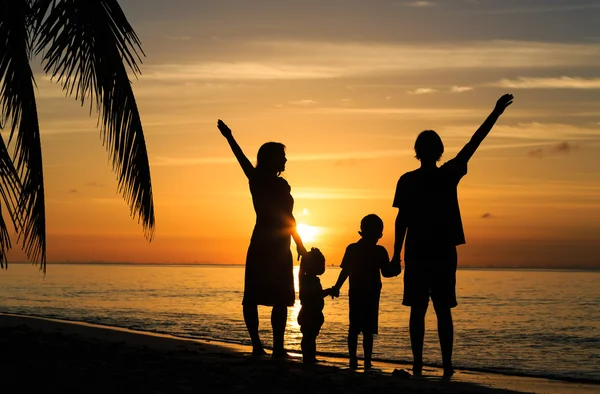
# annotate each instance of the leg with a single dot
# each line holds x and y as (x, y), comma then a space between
(368, 348)
(443, 296)
(278, 321)
(417, 336)
(251, 320)
(446, 335)
(352, 345)
(309, 348)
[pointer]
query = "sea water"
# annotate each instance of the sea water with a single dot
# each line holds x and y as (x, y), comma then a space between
(537, 322)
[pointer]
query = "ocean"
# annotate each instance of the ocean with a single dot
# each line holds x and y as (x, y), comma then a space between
(527, 322)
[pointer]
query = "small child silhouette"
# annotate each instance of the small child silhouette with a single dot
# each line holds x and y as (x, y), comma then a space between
(363, 262)
(311, 316)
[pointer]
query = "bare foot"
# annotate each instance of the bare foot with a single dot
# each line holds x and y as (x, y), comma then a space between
(280, 355)
(401, 373)
(258, 352)
(448, 373)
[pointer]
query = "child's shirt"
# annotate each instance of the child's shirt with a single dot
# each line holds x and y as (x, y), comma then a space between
(311, 293)
(364, 261)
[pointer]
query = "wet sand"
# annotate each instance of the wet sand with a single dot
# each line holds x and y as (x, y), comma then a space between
(73, 357)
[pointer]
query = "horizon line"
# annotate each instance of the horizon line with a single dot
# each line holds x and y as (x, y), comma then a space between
(492, 267)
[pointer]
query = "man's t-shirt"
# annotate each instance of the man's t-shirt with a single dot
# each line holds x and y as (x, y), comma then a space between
(428, 199)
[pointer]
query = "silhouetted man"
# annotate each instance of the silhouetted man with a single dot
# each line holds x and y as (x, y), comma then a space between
(429, 218)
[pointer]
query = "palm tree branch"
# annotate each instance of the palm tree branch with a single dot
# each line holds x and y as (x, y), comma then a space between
(10, 190)
(18, 108)
(87, 45)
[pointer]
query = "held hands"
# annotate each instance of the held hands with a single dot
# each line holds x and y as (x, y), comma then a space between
(502, 103)
(225, 130)
(301, 251)
(334, 292)
(394, 269)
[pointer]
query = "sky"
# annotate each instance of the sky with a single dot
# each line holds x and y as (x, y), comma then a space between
(346, 85)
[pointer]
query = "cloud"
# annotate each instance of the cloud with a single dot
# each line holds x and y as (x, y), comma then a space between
(533, 131)
(179, 38)
(487, 215)
(538, 9)
(538, 153)
(549, 83)
(421, 3)
(335, 157)
(452, 113)
(560, 148)
(564, 147)
(420, 91)
(298, 60)
(248, 70)
(461, 89)
(302, 102)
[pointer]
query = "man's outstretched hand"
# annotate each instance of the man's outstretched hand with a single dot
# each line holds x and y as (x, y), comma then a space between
(224, 129)
(503, 102)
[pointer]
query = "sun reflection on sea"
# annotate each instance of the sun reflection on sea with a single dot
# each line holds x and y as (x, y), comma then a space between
(292, 332)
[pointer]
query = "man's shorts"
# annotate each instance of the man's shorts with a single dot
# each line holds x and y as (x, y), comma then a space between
(431, 274)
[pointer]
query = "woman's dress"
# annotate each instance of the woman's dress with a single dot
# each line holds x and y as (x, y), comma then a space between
(269, 278)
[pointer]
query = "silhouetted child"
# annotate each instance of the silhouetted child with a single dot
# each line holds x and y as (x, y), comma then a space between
(363, 262)
(310, 316)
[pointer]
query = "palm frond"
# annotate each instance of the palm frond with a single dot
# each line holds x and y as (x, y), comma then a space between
(10, 190)
(18, 108)
(5, 244)
(87, 45)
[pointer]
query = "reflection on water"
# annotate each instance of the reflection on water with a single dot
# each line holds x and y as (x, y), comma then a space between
(542, 322)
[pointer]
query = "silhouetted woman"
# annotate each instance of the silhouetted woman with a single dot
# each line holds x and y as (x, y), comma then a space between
(269, 276)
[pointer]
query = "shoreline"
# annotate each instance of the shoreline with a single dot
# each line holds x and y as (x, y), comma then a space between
(226, 353)
(330, 355)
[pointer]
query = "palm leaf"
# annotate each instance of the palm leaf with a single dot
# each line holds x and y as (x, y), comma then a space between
(18, 108)
(87, 45)
(10, 190)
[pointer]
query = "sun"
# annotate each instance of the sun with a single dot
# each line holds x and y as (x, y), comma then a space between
(306, 232)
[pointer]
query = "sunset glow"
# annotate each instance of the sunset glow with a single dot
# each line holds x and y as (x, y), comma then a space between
(307, 233)
(346, 86)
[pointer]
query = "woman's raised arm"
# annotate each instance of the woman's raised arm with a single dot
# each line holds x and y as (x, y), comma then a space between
(235, 148)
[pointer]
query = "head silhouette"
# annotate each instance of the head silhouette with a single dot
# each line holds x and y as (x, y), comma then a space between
(429, 146)
(313, 263)
(271, 158)
(371, 227)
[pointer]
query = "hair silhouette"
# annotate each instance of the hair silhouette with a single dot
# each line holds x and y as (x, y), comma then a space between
(429, 146)
(371, 226)
(271, 158)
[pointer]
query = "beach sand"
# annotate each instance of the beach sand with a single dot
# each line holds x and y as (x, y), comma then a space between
(48, 355)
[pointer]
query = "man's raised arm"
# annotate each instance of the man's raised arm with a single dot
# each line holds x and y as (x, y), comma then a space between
(483, 130)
